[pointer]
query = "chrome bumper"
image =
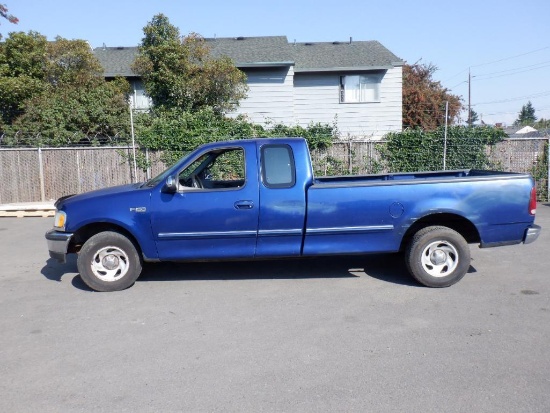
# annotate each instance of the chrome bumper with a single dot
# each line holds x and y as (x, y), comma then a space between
(531, 234)
(58, 244)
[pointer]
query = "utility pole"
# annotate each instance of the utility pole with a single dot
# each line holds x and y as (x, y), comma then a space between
(469, 98)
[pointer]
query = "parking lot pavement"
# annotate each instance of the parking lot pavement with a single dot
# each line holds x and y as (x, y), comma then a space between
(341, 334)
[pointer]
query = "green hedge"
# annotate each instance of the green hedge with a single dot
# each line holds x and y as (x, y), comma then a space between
(175, 132)
(418, 150)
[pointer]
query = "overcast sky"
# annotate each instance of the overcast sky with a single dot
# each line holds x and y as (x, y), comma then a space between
(505, 44)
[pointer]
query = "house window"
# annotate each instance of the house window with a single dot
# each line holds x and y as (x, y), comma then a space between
(360, 88)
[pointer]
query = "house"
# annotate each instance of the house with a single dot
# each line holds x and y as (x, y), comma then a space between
(357, 84)
(522, 132)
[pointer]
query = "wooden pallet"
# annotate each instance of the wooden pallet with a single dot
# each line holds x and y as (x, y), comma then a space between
(27, 209)
(27, 213)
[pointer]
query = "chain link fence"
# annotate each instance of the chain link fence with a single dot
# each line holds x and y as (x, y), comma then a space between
(41, 174)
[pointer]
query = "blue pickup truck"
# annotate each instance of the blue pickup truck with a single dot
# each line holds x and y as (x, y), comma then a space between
(258, 199)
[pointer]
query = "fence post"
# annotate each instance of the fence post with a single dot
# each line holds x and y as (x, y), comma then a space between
(548, 174)
(41, 173)
(78, 173)
(148, 172)
(445, 138)
(350, 162)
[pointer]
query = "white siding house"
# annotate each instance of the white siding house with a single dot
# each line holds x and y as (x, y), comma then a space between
(317, 99)
(357, 85)
(269, 94)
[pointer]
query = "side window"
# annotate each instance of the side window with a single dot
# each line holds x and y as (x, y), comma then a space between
(278, 166)
(218, 169)
(360, 88)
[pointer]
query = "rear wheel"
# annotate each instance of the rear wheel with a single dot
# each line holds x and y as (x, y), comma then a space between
(438, 256)
(109, 261)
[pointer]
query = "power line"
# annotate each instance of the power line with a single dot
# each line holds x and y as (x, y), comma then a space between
(516, 68)
(511, 57)
(535, 95)
(497, 61)
(513, 72)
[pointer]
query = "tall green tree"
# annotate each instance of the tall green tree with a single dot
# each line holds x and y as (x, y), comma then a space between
(56, 90)
(22, 75)
(179, 72)
(526, 115)
(424, 99)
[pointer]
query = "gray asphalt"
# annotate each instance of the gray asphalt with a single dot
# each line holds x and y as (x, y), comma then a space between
(327, 335)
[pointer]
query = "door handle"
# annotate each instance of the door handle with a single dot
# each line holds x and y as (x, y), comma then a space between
(244, 205)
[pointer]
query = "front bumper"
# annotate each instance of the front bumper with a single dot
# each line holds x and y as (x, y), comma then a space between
(531, 234)
(58, 244)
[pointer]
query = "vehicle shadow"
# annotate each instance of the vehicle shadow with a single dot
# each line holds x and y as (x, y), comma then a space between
(54, 271)
(385, 267)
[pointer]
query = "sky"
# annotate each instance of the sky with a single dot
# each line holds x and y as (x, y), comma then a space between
(504, 45)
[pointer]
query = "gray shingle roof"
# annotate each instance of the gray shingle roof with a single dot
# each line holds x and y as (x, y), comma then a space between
(272, 51)
(116, 61)
(247, 51)
(343, 56)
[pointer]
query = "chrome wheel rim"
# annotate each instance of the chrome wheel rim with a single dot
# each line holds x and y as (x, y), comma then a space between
(110, 264)
(439, 258)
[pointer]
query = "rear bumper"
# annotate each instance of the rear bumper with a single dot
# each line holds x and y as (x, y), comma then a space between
(531, 234)
(58, 244)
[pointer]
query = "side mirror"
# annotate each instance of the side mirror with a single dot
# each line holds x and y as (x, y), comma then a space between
(170, 186)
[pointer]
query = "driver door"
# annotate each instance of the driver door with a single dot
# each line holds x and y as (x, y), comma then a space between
(214, 212)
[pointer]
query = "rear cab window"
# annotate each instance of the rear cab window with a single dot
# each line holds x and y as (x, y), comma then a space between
(278, 168)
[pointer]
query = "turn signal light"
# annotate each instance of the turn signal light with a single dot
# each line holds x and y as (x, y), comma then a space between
(59, 220)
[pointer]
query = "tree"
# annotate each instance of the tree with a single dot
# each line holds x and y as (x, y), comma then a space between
(473, 118)
(56, 89)
(22, 61)
(72, 113)
(180, 73)
(424, 99)
(542, 124)
(9, 17)
(526, 115)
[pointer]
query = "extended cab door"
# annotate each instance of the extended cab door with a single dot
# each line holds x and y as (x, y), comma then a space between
(214, 212)
(284, 175)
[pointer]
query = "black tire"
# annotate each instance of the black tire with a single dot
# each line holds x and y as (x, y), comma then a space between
(438, 256)
(109, 261)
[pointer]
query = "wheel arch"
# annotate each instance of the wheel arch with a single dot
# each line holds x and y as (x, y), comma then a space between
(87, 231)
(456, 222)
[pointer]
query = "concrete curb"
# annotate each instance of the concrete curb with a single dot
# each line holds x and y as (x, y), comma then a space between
(28, 209)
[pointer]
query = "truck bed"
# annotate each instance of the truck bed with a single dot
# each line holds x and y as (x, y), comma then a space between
(407, 177)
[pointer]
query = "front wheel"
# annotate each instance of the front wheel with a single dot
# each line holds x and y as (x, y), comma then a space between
(438, 256)
(109, 261)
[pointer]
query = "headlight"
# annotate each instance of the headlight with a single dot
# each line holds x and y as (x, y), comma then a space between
(60, 220)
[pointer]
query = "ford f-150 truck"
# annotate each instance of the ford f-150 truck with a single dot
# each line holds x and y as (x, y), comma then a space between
(258, 199)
